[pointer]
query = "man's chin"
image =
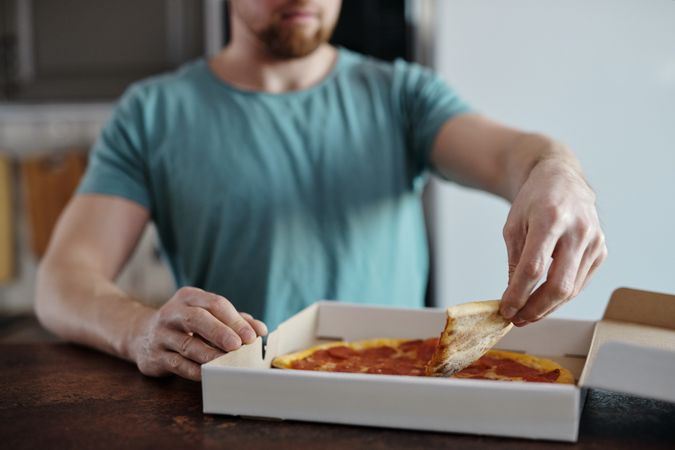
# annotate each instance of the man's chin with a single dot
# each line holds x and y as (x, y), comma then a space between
(295, 41)
(290, 50)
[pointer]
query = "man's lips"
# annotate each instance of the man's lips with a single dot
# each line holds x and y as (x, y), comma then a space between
(299, 16)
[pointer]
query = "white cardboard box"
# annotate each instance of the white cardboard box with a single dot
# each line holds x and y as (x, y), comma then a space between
(632, 350)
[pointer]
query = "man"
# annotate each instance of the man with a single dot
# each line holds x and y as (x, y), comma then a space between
(284, 170)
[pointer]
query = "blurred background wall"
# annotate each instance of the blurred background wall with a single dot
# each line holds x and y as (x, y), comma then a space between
(600, 76)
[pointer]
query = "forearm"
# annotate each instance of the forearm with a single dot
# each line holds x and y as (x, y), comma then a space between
(478, 152)
(527, 152)
(82, 306)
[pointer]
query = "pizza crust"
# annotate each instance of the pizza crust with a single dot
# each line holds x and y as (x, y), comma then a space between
(471, 329)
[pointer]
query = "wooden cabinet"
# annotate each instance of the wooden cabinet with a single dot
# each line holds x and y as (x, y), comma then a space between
(6, 222)
(49, 182)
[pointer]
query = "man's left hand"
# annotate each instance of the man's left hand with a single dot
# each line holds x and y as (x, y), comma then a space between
(552, 216)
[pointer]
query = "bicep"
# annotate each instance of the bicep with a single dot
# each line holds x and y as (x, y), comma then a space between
(97, 231)
(471, 149)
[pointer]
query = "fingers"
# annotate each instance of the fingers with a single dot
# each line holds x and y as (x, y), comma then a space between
(572, 268)
(539, 245)
(559, 285)
(226, 313)
(259, 327)
(225, 327)
(200, 321)
(175, 363)
(514, 237)
(191, 347)
(595, 255)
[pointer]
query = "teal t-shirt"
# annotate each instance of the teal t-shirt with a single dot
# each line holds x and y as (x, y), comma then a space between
(278, 200)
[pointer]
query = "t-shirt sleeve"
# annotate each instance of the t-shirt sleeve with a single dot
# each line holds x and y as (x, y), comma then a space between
(428, 102)
(118, 160)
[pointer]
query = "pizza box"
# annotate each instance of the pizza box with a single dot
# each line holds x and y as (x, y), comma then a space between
(631, 350)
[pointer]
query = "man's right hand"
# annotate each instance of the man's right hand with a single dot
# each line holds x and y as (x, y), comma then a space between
(192, 328)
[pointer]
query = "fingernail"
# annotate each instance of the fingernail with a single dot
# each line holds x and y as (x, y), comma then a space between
(517, 321)
(509, 312)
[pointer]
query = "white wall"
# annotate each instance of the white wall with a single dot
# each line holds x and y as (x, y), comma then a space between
(599, 75)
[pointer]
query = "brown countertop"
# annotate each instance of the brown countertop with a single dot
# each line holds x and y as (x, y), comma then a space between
(56, 395)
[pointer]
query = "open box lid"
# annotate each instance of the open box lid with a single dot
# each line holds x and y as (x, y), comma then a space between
(633, 347)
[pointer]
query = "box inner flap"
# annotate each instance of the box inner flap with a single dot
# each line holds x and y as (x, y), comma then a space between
(640, 336)
(355, 322)
(630, 358)
(564, 337)
(634, 321)
(246, 356)
(641, 307)
(296, 333)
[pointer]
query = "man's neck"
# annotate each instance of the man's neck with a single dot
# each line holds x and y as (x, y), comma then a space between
(254, 69)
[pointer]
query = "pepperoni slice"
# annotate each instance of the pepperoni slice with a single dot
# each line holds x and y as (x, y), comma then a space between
(341, 352)
(409, 345)
(473, 370)
(378, 352)
(546, 377)
(510, 368)
(306, 364)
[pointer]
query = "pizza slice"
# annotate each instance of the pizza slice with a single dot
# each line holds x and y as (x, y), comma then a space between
(471, 329)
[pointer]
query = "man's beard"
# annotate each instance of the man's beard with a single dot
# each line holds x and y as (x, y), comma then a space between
(292, 41)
